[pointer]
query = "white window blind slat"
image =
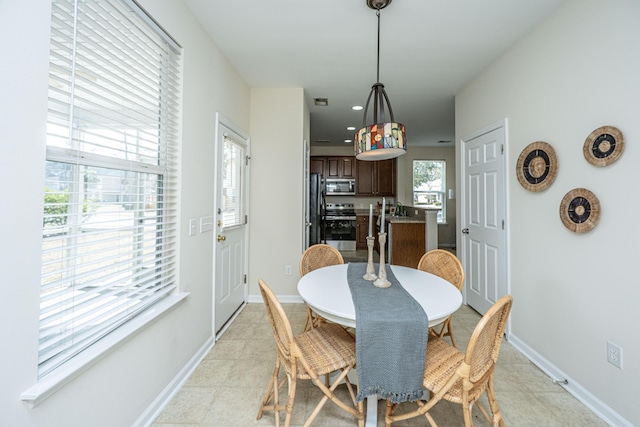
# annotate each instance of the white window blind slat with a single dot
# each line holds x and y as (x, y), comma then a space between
(233, 210)
(110, 219)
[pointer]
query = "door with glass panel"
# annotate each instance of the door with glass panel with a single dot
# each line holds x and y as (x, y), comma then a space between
(231, 225)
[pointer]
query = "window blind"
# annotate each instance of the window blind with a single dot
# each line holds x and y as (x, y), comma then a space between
(110, 211)
(233, 209)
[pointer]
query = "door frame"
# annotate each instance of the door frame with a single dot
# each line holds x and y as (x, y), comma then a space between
(462, 190)
(306, 158)
(221, 120)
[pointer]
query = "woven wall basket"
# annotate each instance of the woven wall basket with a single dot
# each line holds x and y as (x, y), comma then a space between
(580, 210)
(537, 166)
(603, 146)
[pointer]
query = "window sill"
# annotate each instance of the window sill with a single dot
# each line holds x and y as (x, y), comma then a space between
(64, 374)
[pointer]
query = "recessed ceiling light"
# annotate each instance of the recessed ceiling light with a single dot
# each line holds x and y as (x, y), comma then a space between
(351, 128)
(357, 107)
(320, 102)
(348, 141)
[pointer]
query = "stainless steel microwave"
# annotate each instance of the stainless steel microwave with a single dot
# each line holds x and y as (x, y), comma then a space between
(340, 187)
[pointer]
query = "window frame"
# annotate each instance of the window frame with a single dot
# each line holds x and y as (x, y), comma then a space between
(90, 145)
(440, 195)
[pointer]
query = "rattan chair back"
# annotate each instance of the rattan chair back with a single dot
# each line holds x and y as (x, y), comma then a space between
(485, 342)
(447, 266)
(443, 264)
(463, 377)
(317, 256)
(318, 352)
(280, 324)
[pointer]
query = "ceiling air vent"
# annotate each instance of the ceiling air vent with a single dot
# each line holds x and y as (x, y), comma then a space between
(322, 141)
(321, 102)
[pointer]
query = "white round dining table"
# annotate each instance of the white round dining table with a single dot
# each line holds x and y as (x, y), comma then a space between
(326, 291)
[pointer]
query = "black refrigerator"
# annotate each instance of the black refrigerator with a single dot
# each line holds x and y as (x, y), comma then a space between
(316, 209)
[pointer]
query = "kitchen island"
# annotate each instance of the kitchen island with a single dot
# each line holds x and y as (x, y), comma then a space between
(409, 237)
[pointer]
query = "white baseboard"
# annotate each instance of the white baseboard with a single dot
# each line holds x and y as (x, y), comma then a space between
(174, 386)
(598, 407)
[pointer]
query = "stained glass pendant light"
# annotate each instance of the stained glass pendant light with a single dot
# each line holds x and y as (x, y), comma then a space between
(382, 139)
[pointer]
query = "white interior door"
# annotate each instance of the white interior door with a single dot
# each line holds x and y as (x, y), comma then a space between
(484, 217)
(231, 224)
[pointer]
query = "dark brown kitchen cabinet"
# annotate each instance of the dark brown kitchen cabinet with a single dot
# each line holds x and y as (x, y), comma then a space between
(376, 178)
(340, 167)
(408, 243)
(317, 164)
(362, 230)
(333, 166)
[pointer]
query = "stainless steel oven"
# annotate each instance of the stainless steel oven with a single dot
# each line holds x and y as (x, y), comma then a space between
(340, 226)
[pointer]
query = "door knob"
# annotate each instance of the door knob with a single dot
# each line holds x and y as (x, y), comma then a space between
(221, 238)
(465, 231)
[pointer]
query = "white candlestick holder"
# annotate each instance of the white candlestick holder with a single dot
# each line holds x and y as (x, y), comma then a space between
(382, 281)
(371, 271)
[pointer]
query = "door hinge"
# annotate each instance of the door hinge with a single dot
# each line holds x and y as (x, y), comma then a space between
(501, 148)
(246, 220)
(503, 224)
(245, 279)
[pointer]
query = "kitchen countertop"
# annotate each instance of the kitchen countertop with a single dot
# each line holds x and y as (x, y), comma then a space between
(403, 219)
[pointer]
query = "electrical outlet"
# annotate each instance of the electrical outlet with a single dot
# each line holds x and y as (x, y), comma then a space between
(614, 354)
(287, 270)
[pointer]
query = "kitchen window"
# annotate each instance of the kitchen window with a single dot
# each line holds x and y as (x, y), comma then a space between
(110, 198)
(429, 183)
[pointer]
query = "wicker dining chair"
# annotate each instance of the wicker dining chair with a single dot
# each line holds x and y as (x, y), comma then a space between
(446, 265)
(318, 352)
(462, 377)
(317, 256)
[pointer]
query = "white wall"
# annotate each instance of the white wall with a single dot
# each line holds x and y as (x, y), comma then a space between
(118, 388)
(279, 127)
(577, 71)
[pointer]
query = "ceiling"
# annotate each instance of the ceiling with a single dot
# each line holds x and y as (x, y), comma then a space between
(429, 50)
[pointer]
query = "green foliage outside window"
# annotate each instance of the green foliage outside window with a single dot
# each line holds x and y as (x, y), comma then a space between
(56, 207)
(425, 172)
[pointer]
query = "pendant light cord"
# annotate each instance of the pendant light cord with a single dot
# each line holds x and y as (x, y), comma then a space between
(378, 64)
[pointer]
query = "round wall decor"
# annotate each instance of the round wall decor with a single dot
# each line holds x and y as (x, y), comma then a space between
(537, 166)
(603, 146)
(580, 210)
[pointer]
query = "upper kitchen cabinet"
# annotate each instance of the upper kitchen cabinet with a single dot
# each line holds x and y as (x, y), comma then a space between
(333, 167)
(376, 178)
(317, 164)
(340, 167)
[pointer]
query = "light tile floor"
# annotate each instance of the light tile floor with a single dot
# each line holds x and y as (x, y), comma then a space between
(227, 387)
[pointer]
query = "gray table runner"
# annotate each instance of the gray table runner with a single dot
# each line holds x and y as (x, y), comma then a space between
(391, 338)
